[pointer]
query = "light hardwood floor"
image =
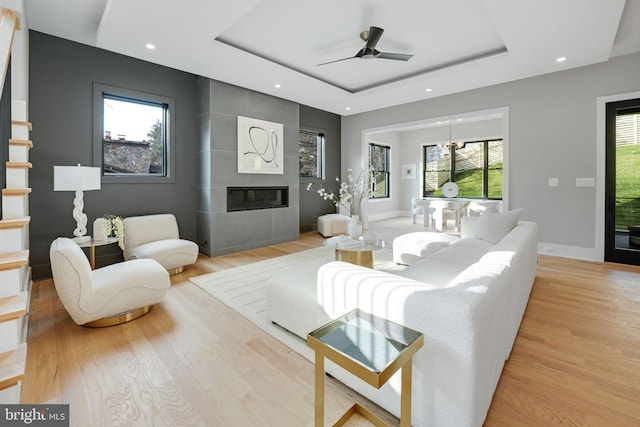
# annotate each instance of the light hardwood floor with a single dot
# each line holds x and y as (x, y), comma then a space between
(194, 361)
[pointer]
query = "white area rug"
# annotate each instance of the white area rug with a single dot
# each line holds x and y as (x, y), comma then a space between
(244, 288)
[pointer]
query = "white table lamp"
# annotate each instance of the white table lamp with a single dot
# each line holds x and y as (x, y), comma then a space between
(78, 179)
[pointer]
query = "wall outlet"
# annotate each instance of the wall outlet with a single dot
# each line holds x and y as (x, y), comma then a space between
(549, 250)
(585, 182)
(553, 182)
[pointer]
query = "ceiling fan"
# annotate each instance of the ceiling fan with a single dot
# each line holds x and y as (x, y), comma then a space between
(371, 38)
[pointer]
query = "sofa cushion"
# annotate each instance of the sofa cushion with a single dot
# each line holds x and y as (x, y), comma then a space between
(473, 244)
(438, 272)
(464, 251)
(412, 247)
(492, 227)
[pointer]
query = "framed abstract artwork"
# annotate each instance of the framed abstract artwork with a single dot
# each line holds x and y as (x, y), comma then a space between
(260, 146)
(409, 171)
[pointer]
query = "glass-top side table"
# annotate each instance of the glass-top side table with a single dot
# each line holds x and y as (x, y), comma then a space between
(91, 244)
(372, 349)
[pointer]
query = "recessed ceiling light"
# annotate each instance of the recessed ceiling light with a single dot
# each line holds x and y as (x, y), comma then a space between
(428, 90)
(348, 108)
(276, 85)
(150, 46)
(561, 59)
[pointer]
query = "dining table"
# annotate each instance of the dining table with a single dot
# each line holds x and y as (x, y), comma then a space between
(435, 210)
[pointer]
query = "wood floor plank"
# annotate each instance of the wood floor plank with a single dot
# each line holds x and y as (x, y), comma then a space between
(192, 361)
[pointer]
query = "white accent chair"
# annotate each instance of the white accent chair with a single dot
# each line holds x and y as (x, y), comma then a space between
(416, 210)
(157, 237)
(333, 225)
(422, 207)
(109, 295)
(478, 208)
(443, 211)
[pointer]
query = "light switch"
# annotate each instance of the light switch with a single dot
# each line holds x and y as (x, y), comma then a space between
(553, 182)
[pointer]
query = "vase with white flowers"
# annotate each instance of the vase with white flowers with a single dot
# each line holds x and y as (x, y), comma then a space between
(109, 226)
(350, 195)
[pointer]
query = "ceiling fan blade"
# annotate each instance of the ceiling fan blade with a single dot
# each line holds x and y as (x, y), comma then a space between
(374, 36)
(337, 60)
(394, 56)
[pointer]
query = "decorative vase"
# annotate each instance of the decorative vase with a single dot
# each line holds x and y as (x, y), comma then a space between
(98, 229)
(370, 237)
(354, 227)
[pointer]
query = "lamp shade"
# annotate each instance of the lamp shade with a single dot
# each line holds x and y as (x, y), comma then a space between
(74, 178)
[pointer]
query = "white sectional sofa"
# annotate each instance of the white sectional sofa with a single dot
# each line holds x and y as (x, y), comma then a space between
(467, 297)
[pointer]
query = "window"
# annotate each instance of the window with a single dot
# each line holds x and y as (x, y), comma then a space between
(135, 136)
(380, 164)
(311, 154)
(132, 135)
(475, 166)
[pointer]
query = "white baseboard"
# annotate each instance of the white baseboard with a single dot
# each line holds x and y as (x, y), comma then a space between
(575, 252)
(386, 215)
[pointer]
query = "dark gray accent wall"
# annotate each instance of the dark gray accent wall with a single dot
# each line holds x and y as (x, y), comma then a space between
(61, 79)
(312, 205)
(221, 232)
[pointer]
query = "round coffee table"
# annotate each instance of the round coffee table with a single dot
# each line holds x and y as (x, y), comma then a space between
(355, 251)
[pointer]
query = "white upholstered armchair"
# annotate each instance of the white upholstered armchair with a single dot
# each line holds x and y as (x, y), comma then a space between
(157, 237)
(109, 295)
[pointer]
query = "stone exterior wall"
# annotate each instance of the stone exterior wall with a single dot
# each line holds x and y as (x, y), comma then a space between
(126, 156)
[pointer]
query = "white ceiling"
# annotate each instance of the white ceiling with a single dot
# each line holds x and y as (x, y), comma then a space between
(457, 44)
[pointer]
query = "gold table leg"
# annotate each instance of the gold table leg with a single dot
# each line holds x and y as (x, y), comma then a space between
(319, 395)
(405, 395)
(92, 257)
(361, 258)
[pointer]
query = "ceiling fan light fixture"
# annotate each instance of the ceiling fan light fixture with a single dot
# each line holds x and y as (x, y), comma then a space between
(368, 51)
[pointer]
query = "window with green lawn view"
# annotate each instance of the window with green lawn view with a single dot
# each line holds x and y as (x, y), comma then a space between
(380, 164)
(311, 154)
(475, 166)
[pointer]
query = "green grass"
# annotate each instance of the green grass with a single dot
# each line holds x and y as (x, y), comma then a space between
(470, 183)
(627, 186)
(628, 172)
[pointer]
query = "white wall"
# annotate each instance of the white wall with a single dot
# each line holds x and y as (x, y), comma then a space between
(552, 133)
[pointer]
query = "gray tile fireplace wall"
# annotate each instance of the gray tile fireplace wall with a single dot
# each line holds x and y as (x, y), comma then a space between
(220, 232)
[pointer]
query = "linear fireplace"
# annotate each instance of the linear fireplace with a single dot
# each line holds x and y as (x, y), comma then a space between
(249, 198)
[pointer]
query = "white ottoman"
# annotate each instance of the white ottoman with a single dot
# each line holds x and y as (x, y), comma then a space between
(333, 224)
(412, 247)
(291, 298)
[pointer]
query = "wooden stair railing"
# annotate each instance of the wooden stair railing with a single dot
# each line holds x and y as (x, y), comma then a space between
(15, 274)
(9, 23)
